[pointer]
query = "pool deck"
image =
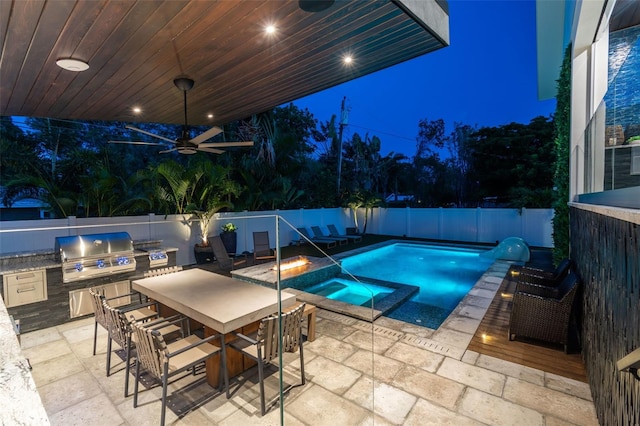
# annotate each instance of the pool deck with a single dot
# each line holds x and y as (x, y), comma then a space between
(358, 373)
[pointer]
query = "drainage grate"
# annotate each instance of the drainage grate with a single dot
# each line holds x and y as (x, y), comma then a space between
(380, 331)
(432, 346)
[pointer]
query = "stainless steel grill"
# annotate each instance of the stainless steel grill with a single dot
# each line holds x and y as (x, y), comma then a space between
(94, 255)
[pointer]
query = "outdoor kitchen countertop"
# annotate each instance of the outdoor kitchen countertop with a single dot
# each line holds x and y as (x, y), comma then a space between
(33, 260)
(19, 398)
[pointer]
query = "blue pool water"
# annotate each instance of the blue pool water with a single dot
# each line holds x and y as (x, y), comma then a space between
(443, 274)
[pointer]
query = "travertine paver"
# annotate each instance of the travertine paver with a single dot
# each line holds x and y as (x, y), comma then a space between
(92, 411)
(39, 337)
(424, 413)
(47, 351)
(378, 366)
(56, 368)
(71, 390)
(369, 341)
(549, 401)
(387, 401)
(463, 324)
(331, 375)
(336, 329)
(452, 338)
(568, 386)
(470, 357)
(429, 386)
(518, 371)
(492, 410)
(471, 311)
(417, 357)
(320, 407)
(479, 378)
(331, 348)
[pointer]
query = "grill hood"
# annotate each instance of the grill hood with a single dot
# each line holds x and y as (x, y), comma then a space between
(91, 255)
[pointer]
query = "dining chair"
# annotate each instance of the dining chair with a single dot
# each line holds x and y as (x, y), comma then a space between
(261, 247)
(224, 261)
(120, 331)
(138, 310)
(265, 344)
(162, 360)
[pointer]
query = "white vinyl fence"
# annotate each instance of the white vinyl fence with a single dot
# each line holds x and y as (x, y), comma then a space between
(176, 231)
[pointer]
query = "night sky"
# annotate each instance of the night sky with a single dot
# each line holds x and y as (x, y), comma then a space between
(486, 77)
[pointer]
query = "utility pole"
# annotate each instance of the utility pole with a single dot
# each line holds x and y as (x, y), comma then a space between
(344, 120)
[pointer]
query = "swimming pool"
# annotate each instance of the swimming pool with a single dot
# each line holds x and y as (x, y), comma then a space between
(443, 274)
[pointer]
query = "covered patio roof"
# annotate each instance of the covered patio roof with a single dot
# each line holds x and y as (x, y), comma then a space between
(135, 49)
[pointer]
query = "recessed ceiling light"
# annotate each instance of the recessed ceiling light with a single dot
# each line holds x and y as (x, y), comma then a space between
(137, 110)
(72, 64)
(348, 59)
(270, 29)
(209, 115)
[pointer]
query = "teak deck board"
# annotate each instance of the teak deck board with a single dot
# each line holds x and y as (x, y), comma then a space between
(540, 355)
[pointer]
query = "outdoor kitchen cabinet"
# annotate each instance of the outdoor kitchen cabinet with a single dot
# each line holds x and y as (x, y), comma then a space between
(24, 287)
(80, 300)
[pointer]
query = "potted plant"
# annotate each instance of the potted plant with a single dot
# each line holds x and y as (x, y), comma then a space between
(229, 237)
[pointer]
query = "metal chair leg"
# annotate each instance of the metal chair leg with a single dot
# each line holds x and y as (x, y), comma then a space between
(128, 367)
(135, 386)
(164, 393)
(109, 356)
(95, 336)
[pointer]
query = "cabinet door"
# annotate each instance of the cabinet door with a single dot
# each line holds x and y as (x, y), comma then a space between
(80, 300)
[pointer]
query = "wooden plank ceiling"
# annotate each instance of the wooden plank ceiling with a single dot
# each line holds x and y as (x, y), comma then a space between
(136, 48)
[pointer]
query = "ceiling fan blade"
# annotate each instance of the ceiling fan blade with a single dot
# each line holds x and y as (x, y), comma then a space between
(137, 143)
(212, 150)
(148, 133)
(168, 150)
(224, 144)
(206, 135)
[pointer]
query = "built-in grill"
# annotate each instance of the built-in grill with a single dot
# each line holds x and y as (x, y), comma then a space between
(94, 255)
(157, 257)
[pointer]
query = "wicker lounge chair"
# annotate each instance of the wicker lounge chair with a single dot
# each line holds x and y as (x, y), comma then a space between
(224, 261)
(261, 247)
(308, 237)
(317, 233)
(333, 232)
(544, 318)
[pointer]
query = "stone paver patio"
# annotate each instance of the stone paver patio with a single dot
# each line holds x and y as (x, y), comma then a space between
(388, 373)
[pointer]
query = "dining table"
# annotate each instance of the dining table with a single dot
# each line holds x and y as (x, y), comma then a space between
(222, 304)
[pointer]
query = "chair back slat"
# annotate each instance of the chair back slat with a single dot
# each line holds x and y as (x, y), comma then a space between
(117, 325)
(151, 349)
(98, 308)
(268, 337)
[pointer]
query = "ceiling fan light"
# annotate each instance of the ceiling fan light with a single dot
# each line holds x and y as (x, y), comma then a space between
(187, 151)
(74, 65)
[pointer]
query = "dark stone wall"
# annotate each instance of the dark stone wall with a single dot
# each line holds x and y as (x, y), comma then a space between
(606, 252)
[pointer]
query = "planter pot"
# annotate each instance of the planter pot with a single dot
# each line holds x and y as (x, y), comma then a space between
(229, 239)
(203, 254)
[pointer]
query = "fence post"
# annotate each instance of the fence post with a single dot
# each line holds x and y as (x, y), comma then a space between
(72, 221)
(523, 223)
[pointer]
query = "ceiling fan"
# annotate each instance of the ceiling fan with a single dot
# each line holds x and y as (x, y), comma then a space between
(185, 144)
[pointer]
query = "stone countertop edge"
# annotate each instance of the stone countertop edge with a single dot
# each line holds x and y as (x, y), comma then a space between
(45, 259)
(19, 398)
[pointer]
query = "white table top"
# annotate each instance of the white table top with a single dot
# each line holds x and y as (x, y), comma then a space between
(221, 303)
